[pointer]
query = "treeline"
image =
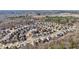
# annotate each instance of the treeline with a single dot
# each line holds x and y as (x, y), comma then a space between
(61, 19)
(17, 17)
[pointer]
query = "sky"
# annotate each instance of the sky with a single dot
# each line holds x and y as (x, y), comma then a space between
(39, 4)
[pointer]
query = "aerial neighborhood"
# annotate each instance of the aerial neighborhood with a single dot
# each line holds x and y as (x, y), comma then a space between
(42, 29)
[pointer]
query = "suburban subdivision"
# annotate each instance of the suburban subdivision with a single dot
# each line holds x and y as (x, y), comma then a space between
(39, 29)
